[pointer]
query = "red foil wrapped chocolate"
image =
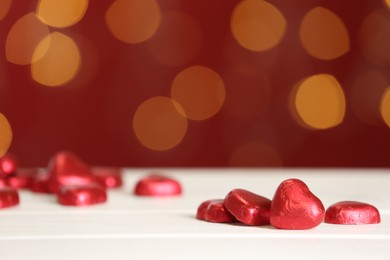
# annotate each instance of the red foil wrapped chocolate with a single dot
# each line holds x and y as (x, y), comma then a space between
(248, 207)
(40, 182)
(294, 206)
(157, 185)
(214, 211)
(9, 197)
(22, 178)
(65, 168)
(352, 213)
(3, 182)
(83, 195)
(109, 177)
(8, 165)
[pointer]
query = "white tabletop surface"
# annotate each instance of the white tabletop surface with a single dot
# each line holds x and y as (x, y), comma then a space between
(130, 227)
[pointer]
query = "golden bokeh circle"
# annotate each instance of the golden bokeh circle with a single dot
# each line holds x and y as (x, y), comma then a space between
(5, 5)
(23, 38)
(61, 13)
(5, 135)
(60, 63)
(323, 34)
(200, 90)
(133, 21)
(159, 123)
(385, 106)
(319, 102)
(257, 25)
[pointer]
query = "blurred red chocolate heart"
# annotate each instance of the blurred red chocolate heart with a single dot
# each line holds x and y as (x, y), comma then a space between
(65, 168)
(9, 197)
(248, 207)
(109, 177)
(82, 195)
(294, 206)
(157, 185)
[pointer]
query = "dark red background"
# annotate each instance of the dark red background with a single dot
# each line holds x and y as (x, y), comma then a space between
(92, 115)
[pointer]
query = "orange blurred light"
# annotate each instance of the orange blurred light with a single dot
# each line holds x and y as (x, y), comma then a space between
(200, 90)
(374, 37)
(159, 123)
(255, 154)
(60, 63)
(133, 21)
(178, 40)
(4, 8)
(324, 35)
(61, 13)
(385, 106)
(5, 135)
(365, 97)
(319, 102)
(23, 38)
(257, 25)
(387, 2)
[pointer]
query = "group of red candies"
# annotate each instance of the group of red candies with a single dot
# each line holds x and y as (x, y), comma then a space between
(293, 206)
(73, 181)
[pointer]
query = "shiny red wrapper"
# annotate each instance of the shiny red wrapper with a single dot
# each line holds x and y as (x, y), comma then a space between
(9, 197)
(8, 165)
(40, 182)
(248, 207)
(3, 182)
(22, 178)
(294, 206)
(81, 195)
(109, 177)
(67, 169)
(214, 211)
(157, 185)
(352, 213)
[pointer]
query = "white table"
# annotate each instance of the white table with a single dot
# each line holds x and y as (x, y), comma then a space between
(130, 227)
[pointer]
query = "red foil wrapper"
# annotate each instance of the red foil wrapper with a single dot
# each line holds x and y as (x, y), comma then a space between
(9, 197)
(217, 213)
(248, 207)
(8, 165)
(109, 177)
(22, 178)
(201, 212)
(352, 213)
(157, 185)
(3, 182)
(294, 206)
(66, 169)
(40, 182)
(81, 195)
(214, 211)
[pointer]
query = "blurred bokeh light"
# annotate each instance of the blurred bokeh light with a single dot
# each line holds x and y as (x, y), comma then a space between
(257, 25)
(320, 101)
(324, 35)
(242, 83)
(5, 135)
(200, 91)
(61, 13)
(4, 8)
(160, 123)
(23, 38)
(133, 21)
(60, 63)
